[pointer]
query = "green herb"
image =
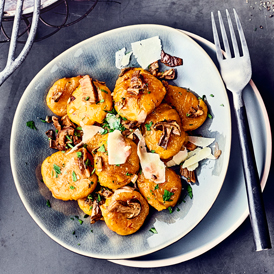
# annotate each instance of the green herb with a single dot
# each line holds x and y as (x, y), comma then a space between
(72, 218)
(118, 165)
(56, 130)
(152, 151)
(187, 114)
(87, 98)
(101, 101)
(91, 231)
(90, 208)
(102, 148)
(79, 128)
(170, 209)
(77, 134)
(76, 217)
(74, 178)
(69, 138)
(87, 162)
(148, 198)
(85, 145)
(73, 232)
(90, 197)
(90, 183)
(148, 126)
(191, 124)
(167, 195)
(189, 191)
(255, 29)
(70, 145)
(48, 203)
(178, 209)
(156, 187)
(104, 132)
(93, 171)
(124, 118)
(128, 174)
(31, 125)
(72, 187)
(209, 116)
(79, 154)
(113, 111)
(79, 244)
(149, 92)
(222, 105)
(63, 151)
(86, 215)
(212, 95)
(42, 120)
(153, 230)
(104, 91)
(57, 169)
(52, 173)
(99, 198)
(80, 221)
(180, 93)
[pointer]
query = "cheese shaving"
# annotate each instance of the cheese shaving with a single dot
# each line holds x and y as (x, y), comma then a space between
(152, 167)
(147, 51)
(118, 152)
(122, 58)
(177, 158)
(200, 141)
(202, 154)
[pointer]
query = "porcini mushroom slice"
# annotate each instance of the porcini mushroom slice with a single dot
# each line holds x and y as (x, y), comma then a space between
(168, 128)
(99, 162)
(193, 113)
(82, 162)
(188, 175)
(96, 213)
(170, 61)
(131, 207)
(136, 83)
(88, 89)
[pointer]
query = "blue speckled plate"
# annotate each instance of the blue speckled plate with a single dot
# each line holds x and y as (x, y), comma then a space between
(96, 56)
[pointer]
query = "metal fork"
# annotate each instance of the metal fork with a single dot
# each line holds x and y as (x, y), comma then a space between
(236, 73)
(12, 62)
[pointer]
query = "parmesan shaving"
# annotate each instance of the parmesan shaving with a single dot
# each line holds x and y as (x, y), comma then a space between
(147, 51)
(152, 167)
(177, 158)
(118, 152)
(200, 141)
(122, 58)
(202, 154)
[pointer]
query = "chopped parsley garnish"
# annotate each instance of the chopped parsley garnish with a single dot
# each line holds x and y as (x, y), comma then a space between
(91, 231)
(104, 132)
(56, 130)
(80, 221)
(72, 218)
(87, 98)
(73, 232)
(156, 187)
(148, 198)
(124, 118)
(74, 178)
(79, 154)
(101, 101)
(170, 209)
(189, 191)
(222, 105)
(72, 187)
(57, 169)
(63, 151)
(102, 148)
(86, 215)
(212, 95)
(42, 120)
(152, 151)
(148, 126)
(187, 114)
(209, 116)
(118, 165)
(99, 198)
(167, 195)
(128, 174)
(178, 209)
(104, 91)
(149, 92)
(90, 197)
(31, 125)
(69, 138)
(48, 203)
(85, 145)
(93, 171)
(79, 128)
(87, 162)
(153, 230)
(70, 145)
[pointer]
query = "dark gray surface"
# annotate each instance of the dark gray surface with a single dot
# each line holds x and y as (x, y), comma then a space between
(24, 247)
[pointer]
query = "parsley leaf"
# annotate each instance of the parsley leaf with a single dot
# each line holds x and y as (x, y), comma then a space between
(167, 195)
(170, 209)
(48, 203)
(57, 169)
(156, 187)
(74, 178)
(189, 191)
(104, 91)
(148, 126)
(153, 230)
(209, 116)
(101, 148)
(79, 154)
(72, 187)
(31, 125)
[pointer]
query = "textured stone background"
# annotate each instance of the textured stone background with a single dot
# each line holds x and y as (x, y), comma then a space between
(24, 247)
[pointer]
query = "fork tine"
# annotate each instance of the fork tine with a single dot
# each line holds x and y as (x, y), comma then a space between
(216, 39)
(233, 37)
(224, 36)
(241, 33)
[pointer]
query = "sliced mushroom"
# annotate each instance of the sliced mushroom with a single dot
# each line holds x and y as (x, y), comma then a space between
(168, 74)
(136, 84)
(56, 123)
(130, 124)
(96, 213)
(153, 68)
(190, 146)
(65, 122)
(189, 176)
(193, 113)
(99, 163)
(131, 207)
(56, 97)
(106, 193)
(121, 103)
(217, 152)
(88, 89)
(61, 138)
(123, 71)
(170, 60)
(71, 98)
(82, 163)
(168, 128)
(48, 119)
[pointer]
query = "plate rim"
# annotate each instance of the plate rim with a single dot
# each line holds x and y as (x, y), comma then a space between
(12, 146)
(227, 233)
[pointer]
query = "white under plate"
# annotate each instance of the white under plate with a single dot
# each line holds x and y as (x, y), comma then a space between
(230, 209)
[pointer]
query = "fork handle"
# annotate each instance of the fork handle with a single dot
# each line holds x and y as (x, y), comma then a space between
(252, 181)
